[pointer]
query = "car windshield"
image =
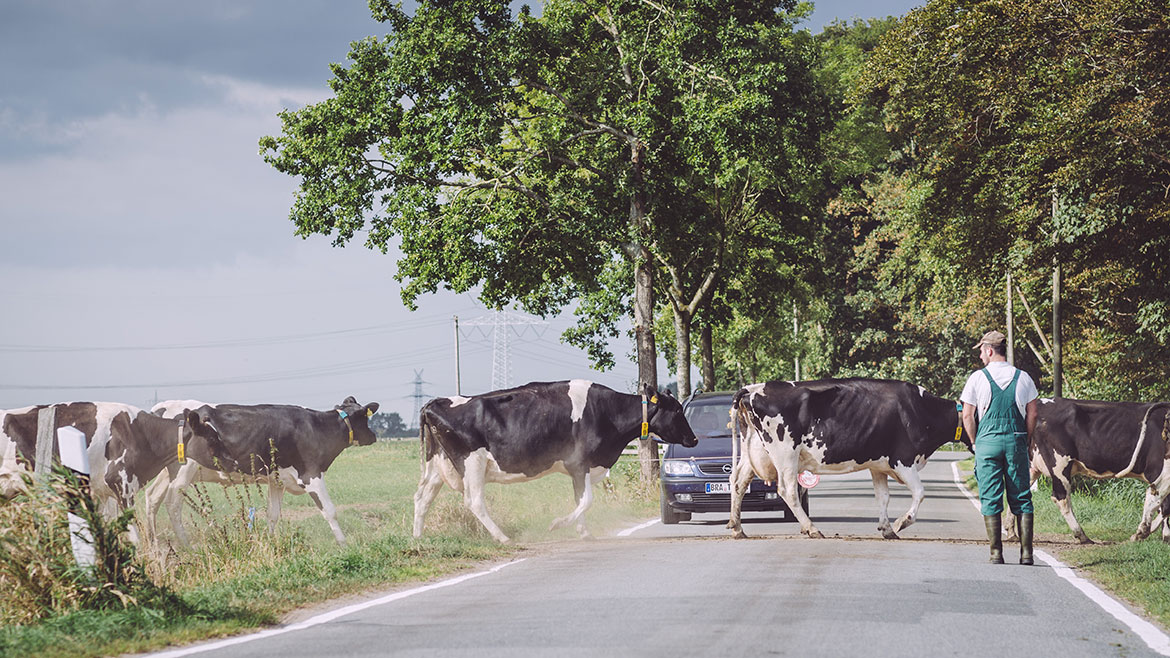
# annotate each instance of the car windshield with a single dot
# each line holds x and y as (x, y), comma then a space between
(709, 419)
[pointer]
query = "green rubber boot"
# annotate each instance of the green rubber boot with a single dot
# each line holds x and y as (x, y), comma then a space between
(995, 534)
(1024, 526)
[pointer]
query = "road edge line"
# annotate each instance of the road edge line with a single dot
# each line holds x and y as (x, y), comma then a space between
(328, 616)
(1149, 633)
(629, 531)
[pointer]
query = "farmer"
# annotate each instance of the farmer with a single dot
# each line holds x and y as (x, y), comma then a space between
(1001, 401)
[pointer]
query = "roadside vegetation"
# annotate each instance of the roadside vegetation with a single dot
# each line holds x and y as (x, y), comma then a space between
(238, 576)
(1109, 511)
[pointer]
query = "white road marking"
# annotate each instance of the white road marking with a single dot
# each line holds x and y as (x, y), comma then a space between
(629, 531)
(330, 616)
(1150, 634)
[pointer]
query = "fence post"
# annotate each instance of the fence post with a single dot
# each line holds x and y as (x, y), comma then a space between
(46, 421)
(74, 456)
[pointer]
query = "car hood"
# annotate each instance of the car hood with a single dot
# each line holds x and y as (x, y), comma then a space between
(709, 446)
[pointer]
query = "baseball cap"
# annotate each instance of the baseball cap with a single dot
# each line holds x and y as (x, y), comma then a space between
(991, 338)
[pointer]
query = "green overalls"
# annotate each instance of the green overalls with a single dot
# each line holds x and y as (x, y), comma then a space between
(1001, 453)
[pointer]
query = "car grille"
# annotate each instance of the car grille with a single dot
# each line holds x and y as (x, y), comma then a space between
(725, 499)
(712, 468)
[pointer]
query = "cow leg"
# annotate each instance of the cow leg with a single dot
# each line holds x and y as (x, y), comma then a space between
(741, 479)
(154, 496)
(1061, 486)
(583, 491)
(428, 488)
(172, 497)
(316, 490)
(1152, 506)
(909, 476)
(474, 479)
(881, 491)
(788, 491)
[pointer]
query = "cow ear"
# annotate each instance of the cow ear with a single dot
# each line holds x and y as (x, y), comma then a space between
(371, 408)
(648, 391)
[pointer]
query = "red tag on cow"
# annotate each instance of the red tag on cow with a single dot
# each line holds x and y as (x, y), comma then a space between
(808, 479)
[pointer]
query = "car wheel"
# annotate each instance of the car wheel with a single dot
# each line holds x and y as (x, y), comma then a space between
(669, 516)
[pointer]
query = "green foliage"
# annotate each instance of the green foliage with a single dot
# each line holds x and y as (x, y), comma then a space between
(38, 572)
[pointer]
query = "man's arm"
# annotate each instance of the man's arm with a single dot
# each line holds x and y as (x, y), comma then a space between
(969, 420)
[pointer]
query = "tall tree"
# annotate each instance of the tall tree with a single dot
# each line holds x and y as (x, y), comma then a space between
(1012, 104)
(518, 154)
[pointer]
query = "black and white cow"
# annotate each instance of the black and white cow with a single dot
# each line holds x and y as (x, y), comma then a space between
(294, 444)
(1103, 440)
(834, 426)
(574, 427)
(127, 447)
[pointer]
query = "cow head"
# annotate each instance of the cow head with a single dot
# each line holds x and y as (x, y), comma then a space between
(202, 439)
(666, 418)
(357, 417)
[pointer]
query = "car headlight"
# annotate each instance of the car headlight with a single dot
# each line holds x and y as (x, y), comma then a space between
(677, 467)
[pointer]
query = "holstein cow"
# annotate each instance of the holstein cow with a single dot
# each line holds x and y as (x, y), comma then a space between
(574, 427)
(294, 443)
(1103, 440)
(127, 447)
(834, 426)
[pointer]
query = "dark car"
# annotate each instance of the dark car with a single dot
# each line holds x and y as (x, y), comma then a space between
(697, 479)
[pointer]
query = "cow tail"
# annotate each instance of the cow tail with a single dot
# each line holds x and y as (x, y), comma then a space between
(1166, 434)
(424, 440)
(736, 430)
(1141, 441)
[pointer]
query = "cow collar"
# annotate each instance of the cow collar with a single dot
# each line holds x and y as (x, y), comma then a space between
(180, 453)
(646, 414)
(959, 429)
(345, 417)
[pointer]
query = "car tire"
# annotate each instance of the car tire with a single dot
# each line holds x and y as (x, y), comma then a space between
(669, 516)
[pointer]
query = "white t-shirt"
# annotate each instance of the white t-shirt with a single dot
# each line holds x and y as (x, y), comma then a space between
(977, 391)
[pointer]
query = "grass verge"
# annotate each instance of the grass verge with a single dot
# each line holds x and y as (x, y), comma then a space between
(1109, 512)
(239, 576)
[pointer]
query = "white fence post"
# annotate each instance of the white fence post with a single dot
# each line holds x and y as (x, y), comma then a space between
(71, 445)
(46, 421)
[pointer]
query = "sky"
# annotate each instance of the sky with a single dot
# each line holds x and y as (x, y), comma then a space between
(146, 251)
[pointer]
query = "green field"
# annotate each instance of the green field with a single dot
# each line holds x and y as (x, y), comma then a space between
(237, 578)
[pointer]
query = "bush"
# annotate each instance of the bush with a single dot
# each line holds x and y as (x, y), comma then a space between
(38, 573)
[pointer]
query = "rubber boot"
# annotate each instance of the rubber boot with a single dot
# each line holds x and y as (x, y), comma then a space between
(1024, 526)
(995, 534)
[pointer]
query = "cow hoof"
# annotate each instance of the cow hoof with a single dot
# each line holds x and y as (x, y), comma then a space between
(1085, 540)
(815, 534)
(889, 534)
(738, 534)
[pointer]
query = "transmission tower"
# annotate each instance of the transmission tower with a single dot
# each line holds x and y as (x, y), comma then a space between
(503, 325)
(419, 398)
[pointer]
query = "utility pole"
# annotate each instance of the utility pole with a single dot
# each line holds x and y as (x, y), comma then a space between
(1011, 341)
(1057, 343)
(418, 396)
(458, 391)
(796, 346)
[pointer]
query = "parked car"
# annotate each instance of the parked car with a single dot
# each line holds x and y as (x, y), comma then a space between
(697, 479)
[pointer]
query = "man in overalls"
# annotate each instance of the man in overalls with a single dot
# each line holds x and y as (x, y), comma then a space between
(1002, 401)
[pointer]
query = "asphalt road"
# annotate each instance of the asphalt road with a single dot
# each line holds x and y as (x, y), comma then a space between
(690, 590)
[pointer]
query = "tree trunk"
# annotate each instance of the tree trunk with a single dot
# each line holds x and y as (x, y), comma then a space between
(708, 357)
(682, 352)
(643, 308)
(1057, 348)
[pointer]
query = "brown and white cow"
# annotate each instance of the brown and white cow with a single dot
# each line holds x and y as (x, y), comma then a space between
(293, 444)
(519, 434)
(127, 447)
(834, 426)
(1103, 440)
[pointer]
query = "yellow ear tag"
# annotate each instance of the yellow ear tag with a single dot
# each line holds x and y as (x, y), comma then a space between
(654, 400)
(645, 430)
(958, 432)
(182, 455)
(369, 413)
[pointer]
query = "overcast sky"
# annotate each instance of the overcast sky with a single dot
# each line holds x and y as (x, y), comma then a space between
(146, 250)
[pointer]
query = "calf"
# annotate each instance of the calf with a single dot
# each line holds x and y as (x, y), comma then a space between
(127, 447)
(293, 445)
(574, 427)
(834, 426)
(1103, 440)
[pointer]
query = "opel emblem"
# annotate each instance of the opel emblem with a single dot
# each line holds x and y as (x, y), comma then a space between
(727, 468)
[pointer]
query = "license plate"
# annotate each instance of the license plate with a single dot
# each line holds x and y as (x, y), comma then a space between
(719, 487)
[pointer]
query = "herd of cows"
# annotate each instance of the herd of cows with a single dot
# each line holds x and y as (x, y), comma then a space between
(579, 428)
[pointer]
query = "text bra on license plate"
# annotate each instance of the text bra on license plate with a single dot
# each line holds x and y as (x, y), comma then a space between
(719, 487)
